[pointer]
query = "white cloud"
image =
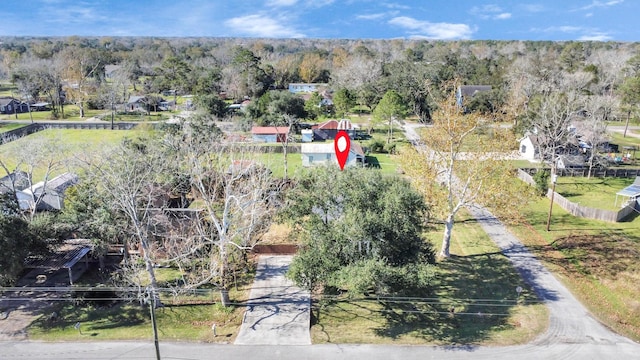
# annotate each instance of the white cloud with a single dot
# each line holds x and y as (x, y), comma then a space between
(261, 26)
(371, 16)
(601, 4)
(533, 8)
(397, 6)
(596, 36)
(319, 3)
(582, 33)
(429, 30)
(490, 11)
(280, 3)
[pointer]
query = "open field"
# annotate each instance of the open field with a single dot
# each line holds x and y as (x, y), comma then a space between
(478, 282)
(67, 142)
(596, 260)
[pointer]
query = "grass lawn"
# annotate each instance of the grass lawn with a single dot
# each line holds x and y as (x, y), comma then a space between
(176, 321)
(9, 127)
(597, 193)
(478, 282)
(73, 140)
(597, 260)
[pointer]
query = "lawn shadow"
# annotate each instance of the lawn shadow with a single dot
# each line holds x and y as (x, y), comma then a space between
(474, 297)
(604, 255)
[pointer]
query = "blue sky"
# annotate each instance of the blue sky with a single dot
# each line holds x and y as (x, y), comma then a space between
(370, 19)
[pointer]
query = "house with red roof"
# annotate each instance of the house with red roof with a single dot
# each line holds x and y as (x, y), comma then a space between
(328, 129)
(270, 134)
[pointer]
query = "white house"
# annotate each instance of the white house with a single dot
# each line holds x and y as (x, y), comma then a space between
(322, 153)
(46, 196)
(306, 87)
(528, 147)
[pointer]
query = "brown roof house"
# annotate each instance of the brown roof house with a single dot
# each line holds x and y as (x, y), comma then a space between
(328, 129)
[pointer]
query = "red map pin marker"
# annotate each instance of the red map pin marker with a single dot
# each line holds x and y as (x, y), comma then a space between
(342, 144)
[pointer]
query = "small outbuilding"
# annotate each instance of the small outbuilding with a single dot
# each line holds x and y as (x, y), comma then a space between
(270, 134)
(631, 192)
(69, 260)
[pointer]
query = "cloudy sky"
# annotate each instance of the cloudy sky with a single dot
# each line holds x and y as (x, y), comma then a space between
(371, 19)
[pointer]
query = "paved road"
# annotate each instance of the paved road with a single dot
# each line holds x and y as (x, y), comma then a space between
(279, 311)
(197, 351)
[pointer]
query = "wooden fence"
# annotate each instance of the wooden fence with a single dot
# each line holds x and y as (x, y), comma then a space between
(601, 173)
(20, 132)
(584, 211)
(35, 127)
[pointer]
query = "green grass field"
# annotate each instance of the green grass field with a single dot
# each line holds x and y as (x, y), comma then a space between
(597, 193)
(63, 142)
(477, 271)
(9, 127)
(178, 320)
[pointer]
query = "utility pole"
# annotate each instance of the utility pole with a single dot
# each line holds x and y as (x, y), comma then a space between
(152, 309)
(554, 180)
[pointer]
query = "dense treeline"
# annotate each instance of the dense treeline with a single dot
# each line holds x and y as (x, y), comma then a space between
(361, 71)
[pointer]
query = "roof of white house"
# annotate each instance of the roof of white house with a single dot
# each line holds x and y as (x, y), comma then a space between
(328, 148)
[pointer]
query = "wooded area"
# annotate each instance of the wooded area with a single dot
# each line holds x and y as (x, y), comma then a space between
(104, 72)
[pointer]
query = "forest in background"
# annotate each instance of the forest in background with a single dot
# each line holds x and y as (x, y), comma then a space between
(359, 72)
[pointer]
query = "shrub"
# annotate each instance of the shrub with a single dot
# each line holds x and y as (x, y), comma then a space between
(541, 177)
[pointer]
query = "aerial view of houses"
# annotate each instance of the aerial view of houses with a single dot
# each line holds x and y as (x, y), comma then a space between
(180, 194)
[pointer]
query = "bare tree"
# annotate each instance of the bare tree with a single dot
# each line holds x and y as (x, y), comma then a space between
(234, 199)
(359, 74)
(452, 178)
(130, 177)
(593, 128)
(80, 69)
(36, 162)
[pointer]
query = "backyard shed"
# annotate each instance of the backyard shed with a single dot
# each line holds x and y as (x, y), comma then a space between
(71, 256)
(270, 134)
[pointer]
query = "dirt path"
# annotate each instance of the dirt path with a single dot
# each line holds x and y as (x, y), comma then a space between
(17, 312)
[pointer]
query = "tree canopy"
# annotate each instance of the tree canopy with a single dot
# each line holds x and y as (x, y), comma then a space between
(356, 219)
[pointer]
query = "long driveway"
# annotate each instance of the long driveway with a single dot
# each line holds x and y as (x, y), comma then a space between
(278, 312)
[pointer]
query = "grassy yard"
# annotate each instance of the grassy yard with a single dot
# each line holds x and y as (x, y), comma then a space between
(478, 282)
(72, 140)
(597, 260)
(9, 127)
(275, 161)
(597, 193)
(176, 321)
